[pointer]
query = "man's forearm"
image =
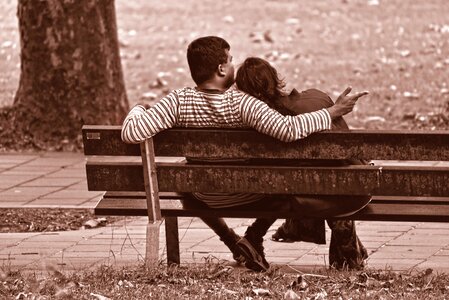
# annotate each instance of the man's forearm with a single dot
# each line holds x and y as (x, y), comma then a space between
(261, 117)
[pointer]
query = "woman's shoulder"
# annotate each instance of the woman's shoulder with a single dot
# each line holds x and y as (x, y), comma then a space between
(306, 101)
(312, 93)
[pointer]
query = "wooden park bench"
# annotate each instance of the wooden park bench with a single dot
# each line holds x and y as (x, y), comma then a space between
(138, 183)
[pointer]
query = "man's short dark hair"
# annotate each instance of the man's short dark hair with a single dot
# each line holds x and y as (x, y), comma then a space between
(204, 55)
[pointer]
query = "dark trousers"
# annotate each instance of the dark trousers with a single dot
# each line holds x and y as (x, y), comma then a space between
(345, 250)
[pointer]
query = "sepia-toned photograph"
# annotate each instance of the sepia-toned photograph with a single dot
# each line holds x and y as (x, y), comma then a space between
(204, 149)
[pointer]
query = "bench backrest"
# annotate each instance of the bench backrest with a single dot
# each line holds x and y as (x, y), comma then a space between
(115, 166)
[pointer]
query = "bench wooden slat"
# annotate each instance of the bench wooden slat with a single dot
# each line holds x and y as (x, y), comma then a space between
(350, 180)
(244, 143)
(387, 210)
(377, 199)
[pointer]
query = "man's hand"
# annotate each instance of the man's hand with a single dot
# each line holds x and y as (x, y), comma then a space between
(344, 104)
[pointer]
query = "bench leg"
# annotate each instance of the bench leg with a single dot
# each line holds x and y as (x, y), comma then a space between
(172, 238)
(152, 247)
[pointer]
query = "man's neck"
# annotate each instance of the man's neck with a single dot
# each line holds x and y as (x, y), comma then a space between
(211, 86)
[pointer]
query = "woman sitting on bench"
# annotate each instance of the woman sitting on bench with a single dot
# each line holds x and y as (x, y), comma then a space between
(259, 79)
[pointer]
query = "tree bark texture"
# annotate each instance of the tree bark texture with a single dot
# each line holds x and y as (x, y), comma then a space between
(71, 72)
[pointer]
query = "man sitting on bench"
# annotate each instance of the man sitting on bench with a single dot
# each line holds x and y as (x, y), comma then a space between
(215, 103)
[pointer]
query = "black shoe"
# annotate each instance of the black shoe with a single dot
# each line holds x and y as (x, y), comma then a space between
(231, 240)
(254, 256)
(281, 236)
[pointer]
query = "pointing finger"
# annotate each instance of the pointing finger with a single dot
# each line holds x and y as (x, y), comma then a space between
(361, 94)
(347, 91)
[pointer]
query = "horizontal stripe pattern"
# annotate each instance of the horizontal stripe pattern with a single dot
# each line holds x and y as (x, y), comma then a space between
(220, 200)
(189, 107)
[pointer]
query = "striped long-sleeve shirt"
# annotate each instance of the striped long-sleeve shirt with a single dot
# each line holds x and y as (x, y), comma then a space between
(189, 107)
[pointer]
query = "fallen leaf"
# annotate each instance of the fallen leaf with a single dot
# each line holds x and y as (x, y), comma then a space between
(261, 292)
(291, 295)
(411, 95)
(230, 292)
(438, 65)
(321, 295)
(374, 119)
(405, 53)
(267, 36)
(228, 19)
(91, 223)
(292, 21)
(6, 44)
(99, 297)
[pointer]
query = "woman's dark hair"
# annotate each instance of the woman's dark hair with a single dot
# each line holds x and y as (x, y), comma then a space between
(204, 55)
(258, 78)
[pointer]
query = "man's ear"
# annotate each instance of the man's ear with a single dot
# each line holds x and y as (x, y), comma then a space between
(221, 70)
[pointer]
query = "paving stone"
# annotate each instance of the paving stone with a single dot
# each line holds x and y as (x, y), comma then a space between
(51, 182)
(56, 203)
(272, 246)
(420, 240)
(432, 225)
(388, 262)
(286, 253)
(10, 181)
(72, 194)
(60, 162)
(440, 264)
(16, 263)
(17, 158)
(35, 191)
(378, 238)
(284, 260)
(443, 252)
(398, 255)
(80, 185)
(6, 166)
(31, 244)
(32, 173)
(49, 238)
(35, 169)
(28, 252)
(436, 232)
(310, 259)
(103, 248)
(69, 173)
(92, 203)
(15, 203)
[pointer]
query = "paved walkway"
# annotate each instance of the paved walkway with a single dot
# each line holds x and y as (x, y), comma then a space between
(58, 180)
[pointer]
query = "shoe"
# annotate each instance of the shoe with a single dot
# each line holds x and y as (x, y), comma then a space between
(231, 240)
(254, 258)
(281, 236)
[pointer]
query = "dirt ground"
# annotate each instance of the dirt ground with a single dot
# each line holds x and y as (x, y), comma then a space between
(46, 220)
(396, 50)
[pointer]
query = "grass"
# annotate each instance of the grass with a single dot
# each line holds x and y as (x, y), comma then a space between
(213, 280)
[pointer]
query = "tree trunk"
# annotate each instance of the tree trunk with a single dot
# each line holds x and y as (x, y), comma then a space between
(71, 72)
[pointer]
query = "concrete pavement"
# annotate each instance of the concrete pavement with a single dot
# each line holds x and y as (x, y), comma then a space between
(52, 180)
